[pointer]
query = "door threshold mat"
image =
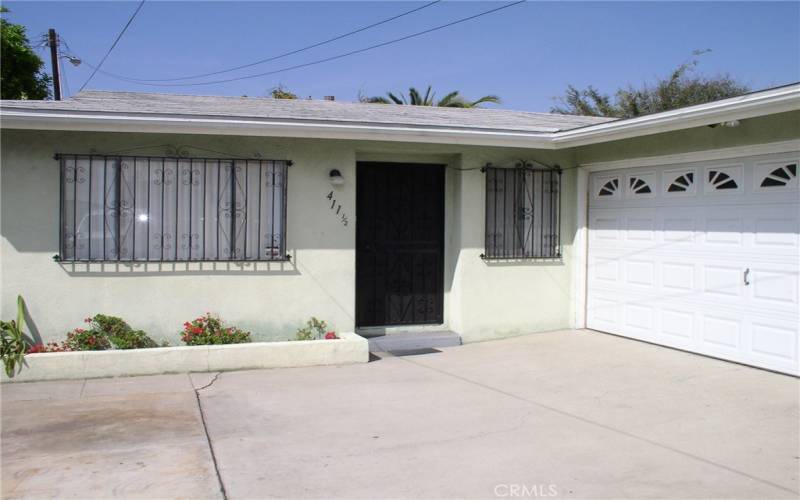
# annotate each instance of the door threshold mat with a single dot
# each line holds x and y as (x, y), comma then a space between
(414, 352)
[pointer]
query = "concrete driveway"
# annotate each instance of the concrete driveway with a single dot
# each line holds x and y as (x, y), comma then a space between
(567, 414)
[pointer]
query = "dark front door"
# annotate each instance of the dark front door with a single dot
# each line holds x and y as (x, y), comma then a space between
(399, 244)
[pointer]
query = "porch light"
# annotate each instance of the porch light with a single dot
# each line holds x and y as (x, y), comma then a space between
(336, 177)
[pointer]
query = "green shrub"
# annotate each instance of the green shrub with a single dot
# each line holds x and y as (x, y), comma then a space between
(12, 341)
(81, 339)
(313, 330)
(119, 333)
(208, 329)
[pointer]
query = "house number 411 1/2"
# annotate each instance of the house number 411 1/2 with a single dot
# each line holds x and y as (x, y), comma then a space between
(337, 208)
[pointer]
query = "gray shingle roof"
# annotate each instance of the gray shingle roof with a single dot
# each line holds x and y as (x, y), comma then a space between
(308, 110)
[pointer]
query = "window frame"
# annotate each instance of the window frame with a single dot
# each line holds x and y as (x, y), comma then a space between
(534, 199)
(271, 173)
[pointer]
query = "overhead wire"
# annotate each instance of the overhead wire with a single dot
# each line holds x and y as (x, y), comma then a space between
(319, 61)
(116, 41)
(279, 56)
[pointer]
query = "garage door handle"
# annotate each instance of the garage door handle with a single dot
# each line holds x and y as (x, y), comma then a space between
(746, 276)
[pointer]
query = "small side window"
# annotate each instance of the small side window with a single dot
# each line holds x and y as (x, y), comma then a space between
(721, 181)
(522, 213)
(780, 177)
(682, 183)
(609, 188)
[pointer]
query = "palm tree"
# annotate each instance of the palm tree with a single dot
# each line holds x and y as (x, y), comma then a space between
(415, 98)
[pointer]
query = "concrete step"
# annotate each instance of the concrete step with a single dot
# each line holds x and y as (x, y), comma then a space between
(403, 341)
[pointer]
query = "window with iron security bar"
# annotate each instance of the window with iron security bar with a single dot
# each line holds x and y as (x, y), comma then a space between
(159, 209)
(523, 215)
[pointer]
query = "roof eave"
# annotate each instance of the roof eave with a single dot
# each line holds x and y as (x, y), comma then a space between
(772, 101)
(118, 122)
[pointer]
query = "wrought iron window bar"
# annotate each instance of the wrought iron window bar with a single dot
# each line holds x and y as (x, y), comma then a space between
(171, 209)
(523, 212)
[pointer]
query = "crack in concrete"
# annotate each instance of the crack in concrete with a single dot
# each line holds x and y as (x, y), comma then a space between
(222, 490)
(603, 426)
(210, 383)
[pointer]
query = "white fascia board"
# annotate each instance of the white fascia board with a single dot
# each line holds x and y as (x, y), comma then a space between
(769, 102)
(116, 122)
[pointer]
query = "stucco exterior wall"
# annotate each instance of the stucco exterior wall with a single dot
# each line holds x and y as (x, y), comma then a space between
(764, 129)
(482, 300)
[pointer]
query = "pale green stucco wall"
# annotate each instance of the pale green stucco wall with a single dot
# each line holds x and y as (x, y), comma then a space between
(773, 128)
(482, 300)
(272, 299)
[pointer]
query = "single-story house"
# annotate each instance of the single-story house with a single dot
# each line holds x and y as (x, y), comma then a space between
(679, 228)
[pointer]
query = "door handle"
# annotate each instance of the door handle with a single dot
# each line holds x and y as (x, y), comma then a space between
(746, 276)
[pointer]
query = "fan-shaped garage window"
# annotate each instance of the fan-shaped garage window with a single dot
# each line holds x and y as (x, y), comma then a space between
(780, 176)
(639, 186)
(721, 180)
(682, 183)
(609, 188)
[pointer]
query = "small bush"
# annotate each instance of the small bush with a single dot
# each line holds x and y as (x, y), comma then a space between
(314, 330)
(81, 339)
(12, 341)
(119, 333)
(48, 347)
(208, 330)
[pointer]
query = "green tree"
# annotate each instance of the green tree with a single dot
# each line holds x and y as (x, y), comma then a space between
(415, 98)
(681, 88)
(21, 75)
(281, 92)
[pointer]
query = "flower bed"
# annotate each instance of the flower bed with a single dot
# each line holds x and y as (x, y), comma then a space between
(347, 349)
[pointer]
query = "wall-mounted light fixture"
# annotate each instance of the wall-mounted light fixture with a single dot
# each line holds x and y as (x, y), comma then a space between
(728, 124)
(336, 177)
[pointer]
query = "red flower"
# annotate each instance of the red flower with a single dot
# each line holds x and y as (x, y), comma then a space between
(331, 336)
(36, 348)
(197, 330)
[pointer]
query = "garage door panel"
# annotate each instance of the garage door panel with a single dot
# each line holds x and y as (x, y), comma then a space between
(678, 276)
(723, 231)
(640, 228)
(776, 231)
(723, 282)
(678, 324)
(774, 287)
(704, 262)
(774, 341)
(640, 273)
(721, 333)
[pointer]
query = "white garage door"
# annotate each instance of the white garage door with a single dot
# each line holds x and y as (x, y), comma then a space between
(703, 257)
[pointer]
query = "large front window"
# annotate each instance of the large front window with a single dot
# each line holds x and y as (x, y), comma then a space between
(126, 208)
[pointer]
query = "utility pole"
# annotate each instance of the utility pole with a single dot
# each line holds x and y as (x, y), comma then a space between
(53, 42)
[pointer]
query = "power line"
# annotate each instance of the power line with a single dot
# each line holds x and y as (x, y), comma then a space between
(103, 60)
(327, 59)
(279, 56)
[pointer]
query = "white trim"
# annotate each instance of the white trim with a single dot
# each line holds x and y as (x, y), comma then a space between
(696, 156)
(767, 102)
(173, 124)
(581, 247)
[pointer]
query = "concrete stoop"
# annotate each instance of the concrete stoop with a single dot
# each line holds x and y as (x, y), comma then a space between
(407, 341)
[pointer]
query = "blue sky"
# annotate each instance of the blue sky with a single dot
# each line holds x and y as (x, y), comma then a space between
(526, 54)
